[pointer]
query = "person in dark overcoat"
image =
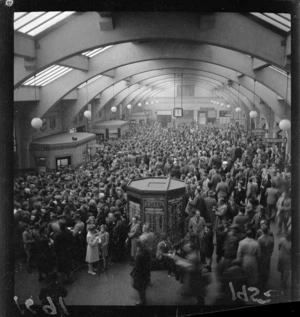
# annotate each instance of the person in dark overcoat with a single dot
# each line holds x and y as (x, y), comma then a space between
(44, 254)
(63, 246)
(141, 271)
(208, 245)
(194, 281)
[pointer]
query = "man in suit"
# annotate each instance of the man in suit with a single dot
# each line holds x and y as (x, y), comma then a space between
(63, 246)
(210, 202)
(133, 234)
(163, 247)
(197, 228)
(241, 220)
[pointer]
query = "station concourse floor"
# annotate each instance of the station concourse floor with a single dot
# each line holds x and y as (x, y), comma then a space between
(114, 287)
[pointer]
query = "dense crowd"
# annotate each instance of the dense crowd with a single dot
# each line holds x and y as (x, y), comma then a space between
(236, 186)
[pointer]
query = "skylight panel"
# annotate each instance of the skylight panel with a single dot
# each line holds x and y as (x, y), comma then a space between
(26, 19)
(271, 21)
(279, 19)
(55, 76)
(18, 15)
(40, 75)
(89, 81)
(35, 23)
(47, 75)
(285, 15)
(51, 22)
(96, 51)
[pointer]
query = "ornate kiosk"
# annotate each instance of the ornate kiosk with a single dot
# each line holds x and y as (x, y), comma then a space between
(158, 201)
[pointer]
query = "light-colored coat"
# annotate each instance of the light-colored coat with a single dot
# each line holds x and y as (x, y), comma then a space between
(197, 228)
(92, 249)
(249, 253)
(134, 233)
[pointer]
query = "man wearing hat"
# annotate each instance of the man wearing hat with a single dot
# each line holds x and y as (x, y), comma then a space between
(259, 232)
(197, 226)
(266, 242)
(240, 219)
(231, 243)
(79, 239)
(210, 202)
(208, 245)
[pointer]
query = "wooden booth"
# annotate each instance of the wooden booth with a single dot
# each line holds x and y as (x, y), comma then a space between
(61, 150)
(158, 201)
(108, 130)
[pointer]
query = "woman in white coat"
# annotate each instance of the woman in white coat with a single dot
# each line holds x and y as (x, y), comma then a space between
(92, 251)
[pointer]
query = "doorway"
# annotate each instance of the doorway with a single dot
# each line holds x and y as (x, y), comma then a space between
(62, 162)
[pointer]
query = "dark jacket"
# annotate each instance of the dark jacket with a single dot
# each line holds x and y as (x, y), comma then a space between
(141, 270)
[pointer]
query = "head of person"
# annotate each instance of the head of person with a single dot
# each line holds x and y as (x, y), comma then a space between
(208, 227)
(77, 218)
(242, 210)
(62, 225)
(197, 214)
(103, 228)
(249, 234)
(27, 227)
(221, 201)
(92, 228)
(189, 246)
(91, 220)
(146, 227)
(264, 226)
(43, 231)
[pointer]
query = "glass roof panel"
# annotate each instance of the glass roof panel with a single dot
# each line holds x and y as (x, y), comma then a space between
(271, 21)
(60, 74)
(27, 18)
(96, 51)
(45, 17)
(46, 76)
(51, 22)
(18, 15)
(285, 15)
(40, 75)
(279, 19)
(33, 23)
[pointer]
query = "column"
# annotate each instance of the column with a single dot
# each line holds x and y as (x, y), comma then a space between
(295, 119)
(6, 166)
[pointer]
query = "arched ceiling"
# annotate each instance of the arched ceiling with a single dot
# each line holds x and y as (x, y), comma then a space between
(147, 46)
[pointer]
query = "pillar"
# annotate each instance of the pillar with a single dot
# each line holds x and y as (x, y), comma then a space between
(6, 166)
(295, 141)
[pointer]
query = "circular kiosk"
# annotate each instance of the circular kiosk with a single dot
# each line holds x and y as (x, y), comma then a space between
(158, 201)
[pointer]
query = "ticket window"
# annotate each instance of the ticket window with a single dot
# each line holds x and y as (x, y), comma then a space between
(40, 164)
(62, 162)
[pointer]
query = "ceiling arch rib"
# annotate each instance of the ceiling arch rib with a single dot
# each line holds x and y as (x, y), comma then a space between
(242, 104)
(211, 54)
(81, 102)
(244, 99)
(230, 30)
(269, 98)
(78, 77)
(138, 90)
(210, 82)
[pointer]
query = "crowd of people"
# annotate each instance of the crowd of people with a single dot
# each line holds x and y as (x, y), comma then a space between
(236, 186)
